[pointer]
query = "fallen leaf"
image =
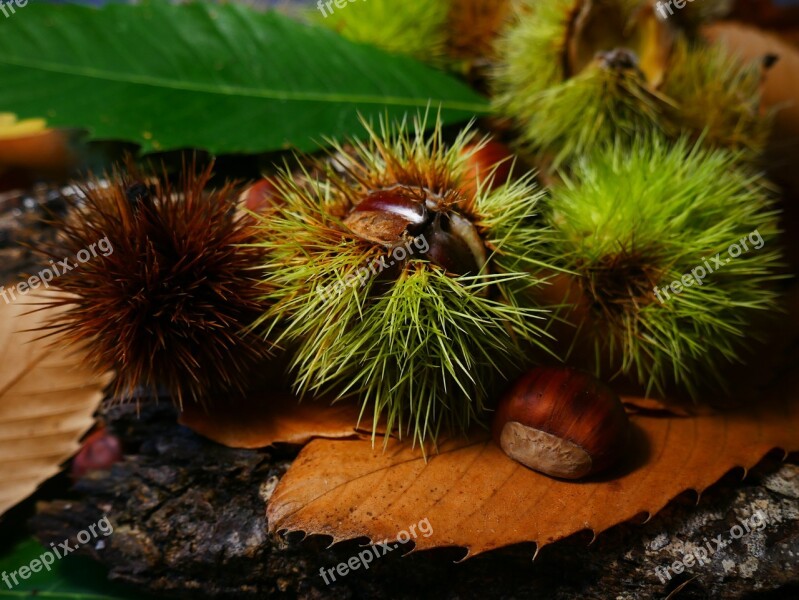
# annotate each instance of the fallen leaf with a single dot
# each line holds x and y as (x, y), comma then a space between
(477, 498)
(264, 420)
(47, 402)
(653, 405)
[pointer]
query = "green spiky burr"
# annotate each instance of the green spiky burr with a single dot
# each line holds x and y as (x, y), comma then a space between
(400, 288)
(719, 96)
(412, 28)
(674, 252)
(573, 74)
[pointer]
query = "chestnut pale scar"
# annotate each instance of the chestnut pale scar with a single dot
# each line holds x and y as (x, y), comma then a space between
(544, 452)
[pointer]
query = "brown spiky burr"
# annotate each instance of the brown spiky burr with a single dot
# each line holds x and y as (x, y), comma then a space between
(168, 287)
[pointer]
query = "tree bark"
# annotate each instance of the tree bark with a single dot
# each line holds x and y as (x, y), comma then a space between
(190, 522)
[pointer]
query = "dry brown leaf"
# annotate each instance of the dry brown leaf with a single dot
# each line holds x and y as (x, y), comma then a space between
(47, 402)
(635, 405)
(477, 498)
(264, 420)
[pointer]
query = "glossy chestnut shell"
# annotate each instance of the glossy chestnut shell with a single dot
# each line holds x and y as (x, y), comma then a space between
(562, 422)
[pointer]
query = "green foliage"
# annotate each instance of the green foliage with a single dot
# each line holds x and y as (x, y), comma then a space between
(628, 220)
(418, 345)
(416, 29)
(225, 78)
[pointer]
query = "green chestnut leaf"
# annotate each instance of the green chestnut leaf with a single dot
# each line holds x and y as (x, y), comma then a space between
(224, 78)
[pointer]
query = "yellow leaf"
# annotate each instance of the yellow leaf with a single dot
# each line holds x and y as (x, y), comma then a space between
(11, 128)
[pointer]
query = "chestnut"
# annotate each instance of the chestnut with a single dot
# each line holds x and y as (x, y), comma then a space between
(490, 162)
(562, 422)
(98, 452)
(261, 197)
(399, 213)
(384, 216)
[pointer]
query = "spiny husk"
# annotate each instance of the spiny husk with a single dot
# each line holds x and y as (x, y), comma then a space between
(563, 106)
(628, 220)
(557, 78)
(596, 106)
(473, 27)
(169, 307)
(416, 29)
(719, 96)
(418, 346)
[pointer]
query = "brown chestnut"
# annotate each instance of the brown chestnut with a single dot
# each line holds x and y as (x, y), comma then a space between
(491, 162)
(385, 216)
(261, 197)
(400, 213)
(98, 452)
(562, 422)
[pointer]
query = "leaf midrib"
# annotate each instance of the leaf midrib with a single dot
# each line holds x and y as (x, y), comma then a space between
(227, 90)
